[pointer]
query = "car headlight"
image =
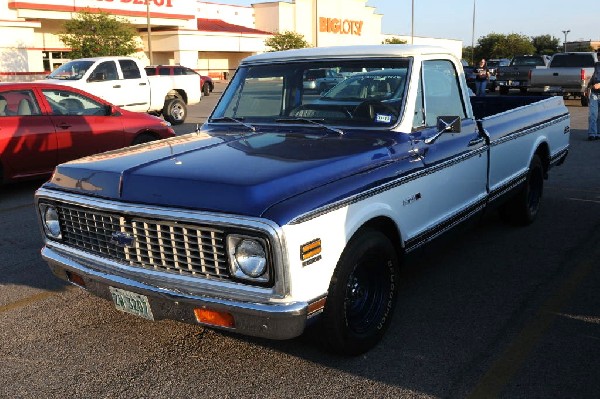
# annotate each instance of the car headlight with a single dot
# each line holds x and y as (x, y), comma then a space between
(248, 258)
(51, 221)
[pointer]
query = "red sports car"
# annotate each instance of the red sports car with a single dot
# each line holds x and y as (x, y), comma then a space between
(42, 125)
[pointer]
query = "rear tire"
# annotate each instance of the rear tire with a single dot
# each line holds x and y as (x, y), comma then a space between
(524, 207)
(174, 111)
(584, 101)
(206, 89)
(362, 295)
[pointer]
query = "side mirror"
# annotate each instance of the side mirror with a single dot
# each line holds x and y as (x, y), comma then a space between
(445, 124)
(448, 124)
(97, 77)
(110, 110)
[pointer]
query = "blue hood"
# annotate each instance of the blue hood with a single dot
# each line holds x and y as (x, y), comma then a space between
(234, 173)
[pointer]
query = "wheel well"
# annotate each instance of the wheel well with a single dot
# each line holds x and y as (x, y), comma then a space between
(146, 133)
(543, 151)
(181, 94)
(387, 227)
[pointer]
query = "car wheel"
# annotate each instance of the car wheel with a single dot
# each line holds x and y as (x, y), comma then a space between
(206, 89)
(503, 90)
(362, 295)
(524, 207)
(584, 101)
(144, 138)
(175, 111)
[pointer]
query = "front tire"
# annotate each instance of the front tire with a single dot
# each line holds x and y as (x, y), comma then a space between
(174, 111)
(362, 295)
(524, 207)
(206, 89)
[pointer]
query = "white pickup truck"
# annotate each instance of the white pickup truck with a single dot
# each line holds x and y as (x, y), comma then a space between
(292, 207)
(122, 81)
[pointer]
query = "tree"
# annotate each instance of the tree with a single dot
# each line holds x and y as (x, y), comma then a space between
(497, 45)
(393, 40)
(98, 34)
(286, 41)
(545, 44)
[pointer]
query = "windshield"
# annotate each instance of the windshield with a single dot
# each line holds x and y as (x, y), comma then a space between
(73, 70)
(368, 93)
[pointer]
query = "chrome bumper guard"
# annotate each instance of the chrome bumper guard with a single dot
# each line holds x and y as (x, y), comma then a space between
(273, 321)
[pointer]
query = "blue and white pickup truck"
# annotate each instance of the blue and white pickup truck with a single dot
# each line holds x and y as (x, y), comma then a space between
(288, 207)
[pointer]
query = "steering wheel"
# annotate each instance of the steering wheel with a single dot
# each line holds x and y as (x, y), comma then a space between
(368, 108)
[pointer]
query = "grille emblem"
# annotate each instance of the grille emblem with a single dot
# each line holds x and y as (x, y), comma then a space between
(121, 239)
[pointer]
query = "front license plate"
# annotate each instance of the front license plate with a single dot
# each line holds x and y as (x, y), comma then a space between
(130, 302)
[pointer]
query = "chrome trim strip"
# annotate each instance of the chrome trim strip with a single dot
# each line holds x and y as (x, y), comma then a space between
(385, 187)
(265, 226)
(530, 129)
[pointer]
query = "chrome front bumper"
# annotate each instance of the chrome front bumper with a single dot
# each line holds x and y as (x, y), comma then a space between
(272, 320)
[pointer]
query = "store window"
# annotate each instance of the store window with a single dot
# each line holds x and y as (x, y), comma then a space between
(54, 59)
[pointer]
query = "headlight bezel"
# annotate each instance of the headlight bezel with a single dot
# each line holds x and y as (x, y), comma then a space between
(52, 228)
(241, 272)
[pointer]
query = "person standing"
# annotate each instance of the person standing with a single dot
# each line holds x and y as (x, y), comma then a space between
(482, 74)
(593, 94)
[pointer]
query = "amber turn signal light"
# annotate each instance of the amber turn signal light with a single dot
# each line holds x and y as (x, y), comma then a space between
(310, 249)
(215, 318)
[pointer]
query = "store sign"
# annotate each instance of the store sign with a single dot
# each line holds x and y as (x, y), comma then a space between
(176, 9)
(158, 3)
(340, 26)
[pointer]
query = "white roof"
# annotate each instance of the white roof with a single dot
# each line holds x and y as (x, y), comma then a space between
(369, 51)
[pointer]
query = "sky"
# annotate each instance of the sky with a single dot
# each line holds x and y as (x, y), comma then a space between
(453, 19)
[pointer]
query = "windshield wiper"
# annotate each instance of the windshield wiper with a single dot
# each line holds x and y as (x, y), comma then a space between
(316, 122)
(236, 120)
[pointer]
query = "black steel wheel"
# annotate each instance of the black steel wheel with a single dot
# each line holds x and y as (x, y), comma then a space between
(362, 295)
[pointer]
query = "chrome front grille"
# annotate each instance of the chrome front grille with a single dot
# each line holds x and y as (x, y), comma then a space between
(166, 246)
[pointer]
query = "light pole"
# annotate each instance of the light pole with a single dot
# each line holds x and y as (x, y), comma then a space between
(566, 32)
(412, 23)
(473, 37)
(149, 31)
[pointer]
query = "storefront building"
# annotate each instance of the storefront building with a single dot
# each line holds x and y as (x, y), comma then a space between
(209, 37)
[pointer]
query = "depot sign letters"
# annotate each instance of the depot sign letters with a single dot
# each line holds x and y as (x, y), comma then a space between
(341, 26)
(166, 3)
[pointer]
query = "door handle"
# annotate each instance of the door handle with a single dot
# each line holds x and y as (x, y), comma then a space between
(116, 86)
(64, 125)
(142, 84)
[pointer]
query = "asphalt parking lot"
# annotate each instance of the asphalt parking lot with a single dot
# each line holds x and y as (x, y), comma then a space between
(497, 311)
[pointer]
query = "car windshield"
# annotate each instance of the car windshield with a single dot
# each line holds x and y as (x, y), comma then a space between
(73, 70)
(368, 93)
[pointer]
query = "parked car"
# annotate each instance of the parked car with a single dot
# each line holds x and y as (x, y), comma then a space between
(567, 74)
(469, 74)
(516, 74)
(321, 79)
(206, 82)
(42, 125)
(493, 65)
(123, 81)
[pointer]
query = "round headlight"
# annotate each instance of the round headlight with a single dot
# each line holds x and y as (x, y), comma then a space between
(51, 222)
(251, 258)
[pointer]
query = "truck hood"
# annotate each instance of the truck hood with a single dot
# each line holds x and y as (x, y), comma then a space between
(234, 173)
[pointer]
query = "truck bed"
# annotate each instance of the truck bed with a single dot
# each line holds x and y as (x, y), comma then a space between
(491, 105)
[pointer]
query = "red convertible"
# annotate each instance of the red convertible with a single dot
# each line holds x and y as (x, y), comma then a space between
(42, 125)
